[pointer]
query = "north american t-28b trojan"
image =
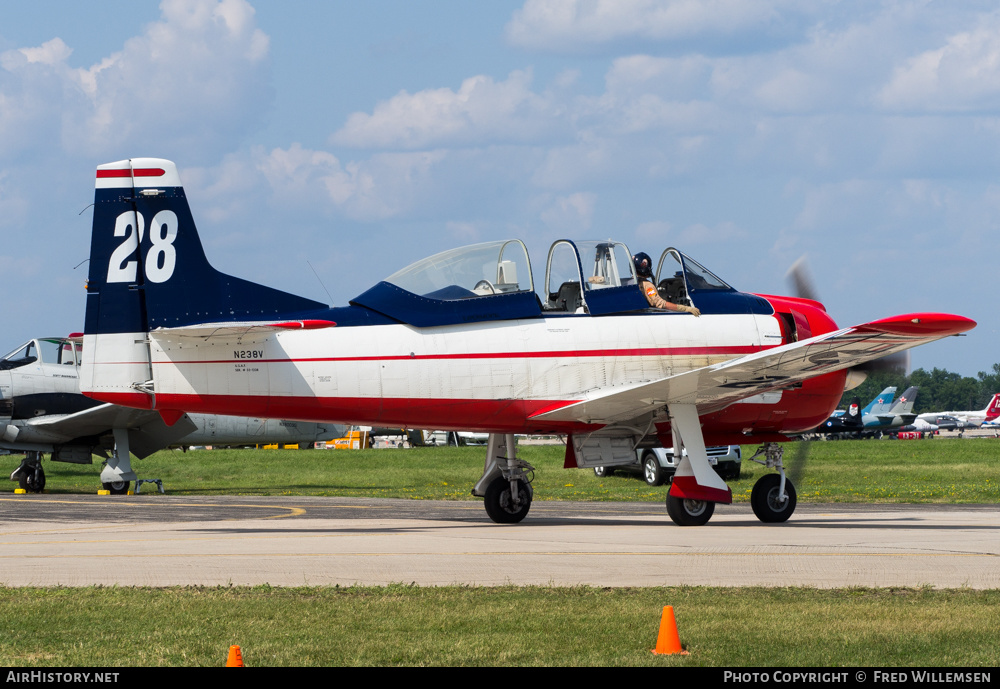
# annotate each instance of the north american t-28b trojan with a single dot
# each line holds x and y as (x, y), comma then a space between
(462, 341)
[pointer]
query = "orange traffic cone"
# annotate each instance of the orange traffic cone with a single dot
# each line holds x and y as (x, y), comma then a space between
(668, 642)
(235, 657)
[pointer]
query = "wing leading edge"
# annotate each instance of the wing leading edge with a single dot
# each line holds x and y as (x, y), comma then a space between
(147, 431)
(713, 388)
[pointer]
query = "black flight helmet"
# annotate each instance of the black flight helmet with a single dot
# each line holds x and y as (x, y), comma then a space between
(643, 265)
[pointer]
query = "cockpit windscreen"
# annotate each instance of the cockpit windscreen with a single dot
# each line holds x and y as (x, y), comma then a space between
(477, 270)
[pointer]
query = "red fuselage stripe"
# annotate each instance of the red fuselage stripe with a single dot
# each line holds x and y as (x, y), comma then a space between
(662, 351)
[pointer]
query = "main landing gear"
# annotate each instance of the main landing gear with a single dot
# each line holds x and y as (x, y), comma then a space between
(773, 497)
(30, 476)
(117, 473)
(506, 482)
(689, 512)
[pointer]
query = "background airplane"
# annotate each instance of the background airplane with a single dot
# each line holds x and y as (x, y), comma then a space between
(972, 419)
(853, 420)
(462, 341)
(900, 414)
(43, 412)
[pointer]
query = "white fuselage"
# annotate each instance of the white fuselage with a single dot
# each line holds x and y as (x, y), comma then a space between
(482, 376)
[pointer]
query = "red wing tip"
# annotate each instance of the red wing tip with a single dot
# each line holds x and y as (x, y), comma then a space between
(305, 325)
(922, 324)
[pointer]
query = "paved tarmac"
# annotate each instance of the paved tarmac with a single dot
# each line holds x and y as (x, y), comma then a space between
(163, 540)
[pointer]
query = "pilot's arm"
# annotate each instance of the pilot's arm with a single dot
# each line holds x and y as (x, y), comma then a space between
(658, 302)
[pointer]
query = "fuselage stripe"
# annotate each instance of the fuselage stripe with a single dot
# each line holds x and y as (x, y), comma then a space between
(636, 352)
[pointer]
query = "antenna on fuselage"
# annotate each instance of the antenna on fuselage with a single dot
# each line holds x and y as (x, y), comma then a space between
(320, 282)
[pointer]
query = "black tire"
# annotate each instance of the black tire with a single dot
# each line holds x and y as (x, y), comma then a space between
(117, 487)
(601, 472)
(764, 499)
(651, 469)
(498, 501)
(689, 512)
(28, 482)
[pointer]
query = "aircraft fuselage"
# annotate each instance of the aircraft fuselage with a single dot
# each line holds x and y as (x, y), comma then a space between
(488, 377)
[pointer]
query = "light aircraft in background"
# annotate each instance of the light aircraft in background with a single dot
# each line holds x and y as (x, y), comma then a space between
(880, 416)
(932, 424)
(852, 420)
(972, 419)
(461, 341)
(42, 412)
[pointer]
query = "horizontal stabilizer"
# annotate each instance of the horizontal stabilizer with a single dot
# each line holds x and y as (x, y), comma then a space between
(243, 332)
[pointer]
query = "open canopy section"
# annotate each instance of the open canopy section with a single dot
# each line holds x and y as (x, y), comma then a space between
(590, 277)
(682, 280)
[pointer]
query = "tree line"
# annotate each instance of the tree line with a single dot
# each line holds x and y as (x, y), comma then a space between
(940, 390)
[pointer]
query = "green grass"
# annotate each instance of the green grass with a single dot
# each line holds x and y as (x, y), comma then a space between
(407, 625)
(867, 471)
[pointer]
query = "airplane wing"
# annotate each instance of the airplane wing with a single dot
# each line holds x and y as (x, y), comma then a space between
(715, 387)
(244, 332)
(147, 430)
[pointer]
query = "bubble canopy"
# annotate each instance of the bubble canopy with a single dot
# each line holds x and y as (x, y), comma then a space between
(483, 269)
(492, 281)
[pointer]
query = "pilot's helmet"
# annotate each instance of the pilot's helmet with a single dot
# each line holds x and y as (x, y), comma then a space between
(643, 265)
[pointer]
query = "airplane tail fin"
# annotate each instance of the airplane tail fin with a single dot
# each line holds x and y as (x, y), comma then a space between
(882, 403)
(993, 408)
(904, 405)
(148, 270)
(853, 415)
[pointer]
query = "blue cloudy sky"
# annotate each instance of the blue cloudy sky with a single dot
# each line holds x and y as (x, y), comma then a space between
(351, 138)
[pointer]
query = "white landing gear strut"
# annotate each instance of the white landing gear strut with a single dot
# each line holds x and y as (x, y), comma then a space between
(506, 481)
(695, 487)
(117, 471)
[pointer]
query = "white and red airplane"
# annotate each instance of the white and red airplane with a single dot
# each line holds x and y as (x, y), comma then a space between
(461, 341)
(972, 419)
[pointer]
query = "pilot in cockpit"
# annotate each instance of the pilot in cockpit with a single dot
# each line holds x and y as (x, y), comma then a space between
(644, 271)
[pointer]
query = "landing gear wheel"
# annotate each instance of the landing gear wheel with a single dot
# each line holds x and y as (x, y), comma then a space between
(651, 469)
(500, 506)
(117, 487)
(601, 472)
(689, 512)
(764, 499)
(32, 481)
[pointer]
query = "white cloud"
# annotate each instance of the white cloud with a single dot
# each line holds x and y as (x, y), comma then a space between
(572, 25)
(570, 214)
(721, 232)
(296, 180)
(463, 231)
(962, 75)
(481, 111)
(190, 87)
(49, 53)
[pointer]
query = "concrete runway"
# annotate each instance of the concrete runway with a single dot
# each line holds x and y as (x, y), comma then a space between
(162, 540)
